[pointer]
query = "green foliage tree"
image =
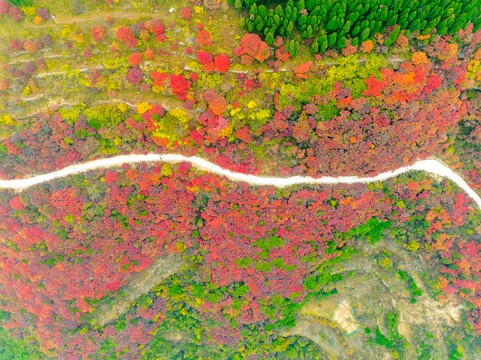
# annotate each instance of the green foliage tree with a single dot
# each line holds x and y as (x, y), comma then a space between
(365, 34)
(332, 39)
(310, 4)
(341, 42)
(290, 27)
(269, 39)
(308, 31)
(355, 30)
(346, 27)
(238, 4)
(332, 24)
(262, 10)
(393, 35)
(323, 43)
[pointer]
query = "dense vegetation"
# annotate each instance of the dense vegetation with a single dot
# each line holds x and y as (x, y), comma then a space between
(249, 273)
(256, 272)
(332, 24)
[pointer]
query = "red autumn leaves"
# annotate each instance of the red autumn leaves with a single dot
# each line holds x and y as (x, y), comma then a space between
(153, 27)
(217, 103)
(99, 33)
(220, 63)
(179, 86)
(302, 69)
(135, 59)
(252, 47)
(16, 203)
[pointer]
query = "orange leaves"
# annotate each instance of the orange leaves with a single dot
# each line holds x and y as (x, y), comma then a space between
(218, 105)
(263, 52)
(442, 282)
(444, 242)
(477, 54)
(208, 67)
(282, 54)
(302, 69)
(374, 87)
(158, 78)
(221, 63)
(301, 129)
(135, 59)
(203, 38)
(419, 58)
(438, 218)
(402, 41)
(244, 134)
(149, 54)
(205, 59)
(453, 50)
(32, 46)
(99, 33)
(251, 46)
(367, 46)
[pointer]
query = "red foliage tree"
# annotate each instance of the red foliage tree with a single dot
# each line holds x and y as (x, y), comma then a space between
(4, 7)
(99, 33)
(111, 177)
(374, 87)
(149, 54)
(135, 59)
(179, 86)
(251, 46)
(204, 57)
(135, 76)
(302, 69)
(186, 13)
(125, 35)
(244, 134)
(156, 27)
(4, 85)
(203, 38)
(16, 45)
(158, 78)
(282, 54)
(86, 53)
(16, 203)
(222, 63)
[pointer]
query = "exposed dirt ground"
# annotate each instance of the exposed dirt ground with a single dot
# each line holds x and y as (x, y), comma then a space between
(140, 283)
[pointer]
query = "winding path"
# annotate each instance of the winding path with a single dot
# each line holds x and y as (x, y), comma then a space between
(431, 166)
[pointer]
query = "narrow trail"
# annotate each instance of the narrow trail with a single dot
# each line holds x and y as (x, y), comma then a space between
(431, 166)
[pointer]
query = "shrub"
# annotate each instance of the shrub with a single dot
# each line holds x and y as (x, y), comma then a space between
(76, 7)
(43, 13)
(15, 13)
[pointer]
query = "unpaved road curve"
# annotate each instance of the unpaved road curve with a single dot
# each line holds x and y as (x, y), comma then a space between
(431, 166)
